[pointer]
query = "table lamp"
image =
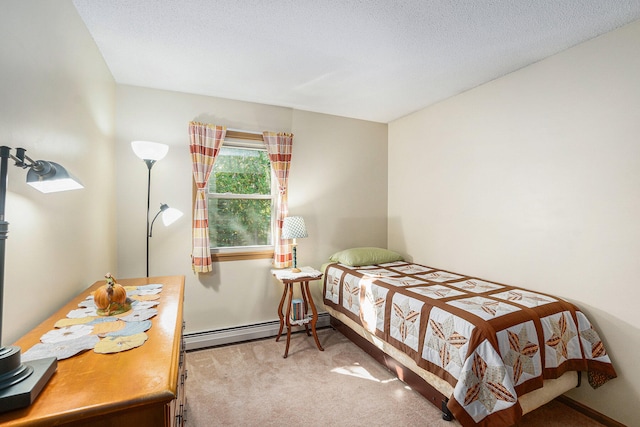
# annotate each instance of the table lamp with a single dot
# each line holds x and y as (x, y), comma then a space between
(294, 228)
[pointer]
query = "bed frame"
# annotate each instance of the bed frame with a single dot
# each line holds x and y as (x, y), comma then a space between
(529, 402)
(403, 373)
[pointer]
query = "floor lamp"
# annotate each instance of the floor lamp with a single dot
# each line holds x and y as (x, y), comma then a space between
(21, 383)
(151, 152)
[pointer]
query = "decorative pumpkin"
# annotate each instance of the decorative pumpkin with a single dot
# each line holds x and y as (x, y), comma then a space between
(111, 298)
(102, 298)
(118, 294)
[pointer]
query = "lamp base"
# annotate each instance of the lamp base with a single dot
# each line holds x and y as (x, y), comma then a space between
(295, 270)
(20, 386)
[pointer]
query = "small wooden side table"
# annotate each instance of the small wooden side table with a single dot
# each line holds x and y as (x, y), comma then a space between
(288, 279)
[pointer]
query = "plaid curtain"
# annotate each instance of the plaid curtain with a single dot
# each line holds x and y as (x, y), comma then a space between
(204, 147)
(279, 147)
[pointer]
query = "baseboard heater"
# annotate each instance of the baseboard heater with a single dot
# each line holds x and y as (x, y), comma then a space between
(236, 334)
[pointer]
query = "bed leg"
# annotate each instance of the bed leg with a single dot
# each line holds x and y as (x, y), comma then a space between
(446, 414)
(579, 379)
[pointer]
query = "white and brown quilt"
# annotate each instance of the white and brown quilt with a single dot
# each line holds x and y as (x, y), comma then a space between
(490, 341)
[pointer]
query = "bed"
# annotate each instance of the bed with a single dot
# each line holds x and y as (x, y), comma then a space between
(485, 352)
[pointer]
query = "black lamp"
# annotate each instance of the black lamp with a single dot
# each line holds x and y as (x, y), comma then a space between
(151, 152)
(21, 383)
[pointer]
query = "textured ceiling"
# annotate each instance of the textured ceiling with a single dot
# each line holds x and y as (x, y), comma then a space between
(369, 59)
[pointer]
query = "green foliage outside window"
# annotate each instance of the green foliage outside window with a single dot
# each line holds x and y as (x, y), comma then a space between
(240, 213)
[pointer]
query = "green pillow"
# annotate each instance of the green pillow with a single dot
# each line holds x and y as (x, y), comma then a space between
(356, 257)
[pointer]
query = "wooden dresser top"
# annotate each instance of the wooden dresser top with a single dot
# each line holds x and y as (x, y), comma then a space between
(91, 384)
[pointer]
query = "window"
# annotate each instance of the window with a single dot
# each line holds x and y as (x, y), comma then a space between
(240, 199)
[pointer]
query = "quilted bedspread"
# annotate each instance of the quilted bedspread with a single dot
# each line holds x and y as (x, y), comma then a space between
(490, 341)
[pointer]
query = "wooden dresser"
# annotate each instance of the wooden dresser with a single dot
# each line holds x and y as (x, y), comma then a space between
(139, 387)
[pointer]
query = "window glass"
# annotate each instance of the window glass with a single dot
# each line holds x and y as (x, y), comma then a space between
(240, 198)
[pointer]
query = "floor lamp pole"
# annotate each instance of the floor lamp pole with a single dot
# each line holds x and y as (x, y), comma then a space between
(149, 166)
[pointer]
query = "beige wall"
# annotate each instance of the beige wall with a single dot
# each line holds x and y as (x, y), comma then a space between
(534, 179)
(57, 100)
(338, 183)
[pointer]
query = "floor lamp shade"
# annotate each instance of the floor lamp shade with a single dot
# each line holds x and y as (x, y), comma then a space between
(148, 150)
(169, 216)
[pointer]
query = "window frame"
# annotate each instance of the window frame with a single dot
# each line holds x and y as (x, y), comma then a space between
(255, 141)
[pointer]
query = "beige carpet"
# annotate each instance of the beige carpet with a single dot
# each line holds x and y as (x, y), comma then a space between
(251, 384)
